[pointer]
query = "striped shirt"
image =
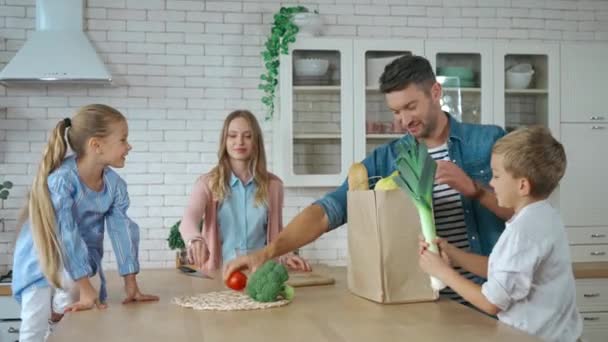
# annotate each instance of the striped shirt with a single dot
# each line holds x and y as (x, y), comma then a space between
(82, 215)
(449, 218)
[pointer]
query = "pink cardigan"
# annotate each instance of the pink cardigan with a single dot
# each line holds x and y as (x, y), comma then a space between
(202, 205)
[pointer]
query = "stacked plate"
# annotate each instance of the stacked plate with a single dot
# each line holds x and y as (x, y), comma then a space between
(465, 75)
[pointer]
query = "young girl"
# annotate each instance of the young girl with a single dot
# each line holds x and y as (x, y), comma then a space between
(530, 283)
(240, 201)
(60, 246)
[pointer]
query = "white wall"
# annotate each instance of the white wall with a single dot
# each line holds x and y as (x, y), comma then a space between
(185, 64)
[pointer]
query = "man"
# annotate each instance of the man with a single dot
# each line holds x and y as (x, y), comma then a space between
(466, 212)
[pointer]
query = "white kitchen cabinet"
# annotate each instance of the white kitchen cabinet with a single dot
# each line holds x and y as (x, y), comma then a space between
(9, 331)
(314, 128)
(584, 77)
(476, 95)
(327, 122)
(9, 319)
(583, 189)
(592, 301)
(374, 123)
(536, 104)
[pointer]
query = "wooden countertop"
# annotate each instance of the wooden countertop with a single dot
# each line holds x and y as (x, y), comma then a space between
(320, 313)
(583, 270)
(5, 290)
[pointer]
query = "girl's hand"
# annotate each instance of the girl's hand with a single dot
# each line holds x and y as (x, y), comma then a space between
(296, 263)
(133, 293)
(88, 297)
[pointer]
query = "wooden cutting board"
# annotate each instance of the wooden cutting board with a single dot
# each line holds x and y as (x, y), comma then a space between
(300, 279)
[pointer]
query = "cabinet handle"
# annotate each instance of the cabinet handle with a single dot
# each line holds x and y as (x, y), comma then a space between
(595, 118)
(598, 236)
(594, 318)
(591, 295)
(12, 330)
(598, 253)
(597, 127)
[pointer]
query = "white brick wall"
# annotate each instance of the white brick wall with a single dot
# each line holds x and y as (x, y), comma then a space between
(183, 65)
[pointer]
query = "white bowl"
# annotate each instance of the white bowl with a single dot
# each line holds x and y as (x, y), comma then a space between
(308, 23)
(311, 66)
(519, 76)
(375, 68)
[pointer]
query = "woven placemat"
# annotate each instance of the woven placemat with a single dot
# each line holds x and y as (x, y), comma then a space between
(224, 301)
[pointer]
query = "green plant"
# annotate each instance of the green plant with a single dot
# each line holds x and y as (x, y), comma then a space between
(4, 187)
(175, 237)
(283, 33)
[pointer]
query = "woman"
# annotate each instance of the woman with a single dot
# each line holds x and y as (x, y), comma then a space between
(240, 202)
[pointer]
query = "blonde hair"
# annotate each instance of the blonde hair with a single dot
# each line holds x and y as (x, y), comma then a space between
(90, 121)
(219, 176)
(533, 153)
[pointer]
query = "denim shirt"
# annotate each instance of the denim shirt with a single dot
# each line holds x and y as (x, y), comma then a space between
(469, 147)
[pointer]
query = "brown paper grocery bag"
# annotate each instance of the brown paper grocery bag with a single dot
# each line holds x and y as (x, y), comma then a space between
(383, 229)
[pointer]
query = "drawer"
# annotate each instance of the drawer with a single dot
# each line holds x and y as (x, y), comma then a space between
(587, 235)
(589, 253)
(595, 334)
(9, 331)
(595, 320)
(592, 294)
(9, 308)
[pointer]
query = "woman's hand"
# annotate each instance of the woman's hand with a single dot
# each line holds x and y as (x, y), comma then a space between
(198, 254)
(296, 263)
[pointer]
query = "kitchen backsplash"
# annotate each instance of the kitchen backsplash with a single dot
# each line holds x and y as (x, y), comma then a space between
(181, 66)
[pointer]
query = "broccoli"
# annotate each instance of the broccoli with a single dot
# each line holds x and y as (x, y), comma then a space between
(267, 283)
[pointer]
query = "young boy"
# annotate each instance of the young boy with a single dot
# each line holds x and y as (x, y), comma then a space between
(530, 283)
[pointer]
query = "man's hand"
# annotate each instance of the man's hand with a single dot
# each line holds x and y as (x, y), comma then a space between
(246, 262)
(450, 174)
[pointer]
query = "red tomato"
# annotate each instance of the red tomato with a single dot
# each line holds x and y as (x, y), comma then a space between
(237, 281)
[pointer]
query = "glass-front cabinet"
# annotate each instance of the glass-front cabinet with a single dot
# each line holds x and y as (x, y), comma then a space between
(314, 124)
(464, 69)
(374, 123)
(331, 112)
(526, 85)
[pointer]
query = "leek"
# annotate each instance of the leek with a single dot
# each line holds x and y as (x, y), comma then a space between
(416, 178)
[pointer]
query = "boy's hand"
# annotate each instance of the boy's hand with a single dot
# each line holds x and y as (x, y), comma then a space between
(133, 293)
(88, 297)
(443, 246)
(432, 264)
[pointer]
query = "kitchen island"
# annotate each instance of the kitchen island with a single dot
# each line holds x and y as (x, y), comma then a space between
(319, 313)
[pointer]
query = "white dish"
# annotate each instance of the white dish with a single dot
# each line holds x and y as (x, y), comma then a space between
(519, 76)
(311, 66)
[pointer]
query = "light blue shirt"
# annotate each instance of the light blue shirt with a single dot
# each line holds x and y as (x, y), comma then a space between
(80, 215)
(242, 224)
